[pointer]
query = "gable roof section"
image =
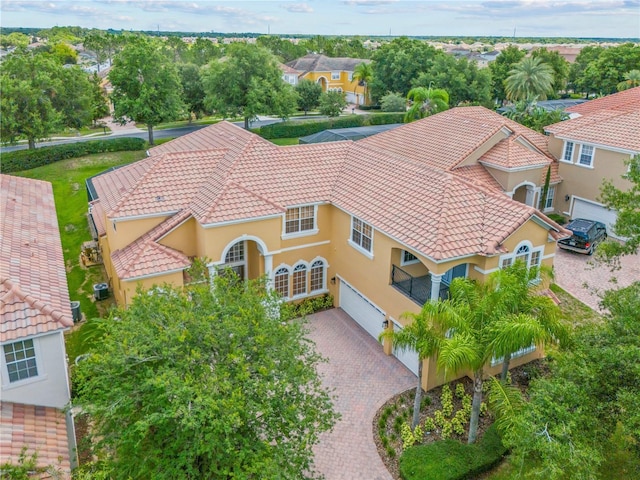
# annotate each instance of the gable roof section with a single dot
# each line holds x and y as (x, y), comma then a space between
(315, 62)
(512, 154)
(627, 100)
(34, 296)
(478, 173)
(468, 128)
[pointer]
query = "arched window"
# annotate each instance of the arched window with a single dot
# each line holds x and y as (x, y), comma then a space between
(235, 259)
(523, 253)
(300, 280)
(281, 281)
(317, 275)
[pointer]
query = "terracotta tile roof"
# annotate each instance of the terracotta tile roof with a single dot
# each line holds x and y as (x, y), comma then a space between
(468, 127)
(513, 153)
(288, 69)
(315, 62)
(627, 100)
(615, 128)
(97, 213)
(478, 173)
(34, 297)
(147, 257)
(555, 175)
(40, 429)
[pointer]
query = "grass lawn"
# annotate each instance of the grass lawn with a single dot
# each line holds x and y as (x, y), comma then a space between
(284, 141)
(68, 179)
(573, 310)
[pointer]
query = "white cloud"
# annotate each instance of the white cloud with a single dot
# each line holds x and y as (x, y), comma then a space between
(297, 7)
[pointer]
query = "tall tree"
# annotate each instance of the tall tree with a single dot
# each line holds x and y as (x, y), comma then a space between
(393, 102)
(612, 63)
(309, 94)
(423, 335)
(332, 103)
(248, 82)
(529, 79)
(203, 51)
(146, 85)
(560, 68)
(207, 383)
(425, 102)
(500, 69)
(192, 89)
(363, 74)
(631, 80)
(74, 98)
(99, 104)
(282, 48)
(580, 74)
(29, 82)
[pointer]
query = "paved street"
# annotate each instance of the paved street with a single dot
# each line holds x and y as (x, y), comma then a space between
(363, 378)
(577, 274)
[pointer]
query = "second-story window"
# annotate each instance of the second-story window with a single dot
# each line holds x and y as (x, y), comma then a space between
(586, 156)
(567, 156)
(335, 75)
(362, 234)
(300, 219)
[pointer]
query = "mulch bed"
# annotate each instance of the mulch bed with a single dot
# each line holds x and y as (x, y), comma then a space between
(402, 405)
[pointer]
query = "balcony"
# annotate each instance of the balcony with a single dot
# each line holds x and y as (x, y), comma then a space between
(417, 289)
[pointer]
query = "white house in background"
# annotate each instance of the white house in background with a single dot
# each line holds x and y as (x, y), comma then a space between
(34, 312)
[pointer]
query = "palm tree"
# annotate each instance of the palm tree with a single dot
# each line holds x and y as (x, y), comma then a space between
(529, 78)
(631, 80)
(426, 102)
(424, 335)
(363, 74)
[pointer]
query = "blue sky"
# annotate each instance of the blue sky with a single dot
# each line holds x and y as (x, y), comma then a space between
(546, 18)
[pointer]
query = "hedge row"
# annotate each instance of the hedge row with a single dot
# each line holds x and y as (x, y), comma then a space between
(28, 159)
(452, 460)
(297, 129)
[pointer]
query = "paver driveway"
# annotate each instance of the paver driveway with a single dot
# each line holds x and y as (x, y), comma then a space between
(578, 275)
(362, 378)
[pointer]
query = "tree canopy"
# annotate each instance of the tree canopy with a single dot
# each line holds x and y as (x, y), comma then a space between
(500, 69)
(332, 103)
(309, 93)
(209, 383)
(247, 82)
(528, 80)
(425, 102)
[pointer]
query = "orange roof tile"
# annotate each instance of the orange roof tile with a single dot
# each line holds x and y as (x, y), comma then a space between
(97, 213)
(34, 296)
(478, 173)
(40, 429)
(627, 100)
(514, 153)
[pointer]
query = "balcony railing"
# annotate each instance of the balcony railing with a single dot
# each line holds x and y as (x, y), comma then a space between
(417, 289)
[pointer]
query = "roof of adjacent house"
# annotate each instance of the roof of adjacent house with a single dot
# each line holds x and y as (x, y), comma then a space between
(411, 197)
(288, 70)
(40, 429)
(34, 296)
(613, 121)
(316, 62)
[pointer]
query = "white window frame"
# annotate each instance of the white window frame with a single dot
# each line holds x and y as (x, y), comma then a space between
(591, 156)
(550, 196)
(404, 261)
(237, 263)
(568, 146)
(351, 76)
(36, 355)
(286, 269)
(356, 245)
(323, 266)
(298, 267)
(510, 258)
(520, 353)
(300, 233)
(335, 75)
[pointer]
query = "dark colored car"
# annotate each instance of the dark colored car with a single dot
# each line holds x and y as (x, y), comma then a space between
(587, 234)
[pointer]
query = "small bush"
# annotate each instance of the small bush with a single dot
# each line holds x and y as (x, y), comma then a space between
(309, 306)
(386, 118)
(391, 452)
(451, 459)
(559, 219)
(28, 159)
(460, 392)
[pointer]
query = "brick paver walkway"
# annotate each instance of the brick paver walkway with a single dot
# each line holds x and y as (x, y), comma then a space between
(578, 275)
(362, 377)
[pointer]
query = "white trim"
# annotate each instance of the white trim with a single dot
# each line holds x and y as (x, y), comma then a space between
(325, 268)
(42, 374)
(241, 220)
(599, 145)
(299, 247)
(564, 151)
(485, 272)
(360, 249)
(304, 233)
(517, 354)
(546, 257)
(169, 213)
(272, 277)
(516, 169)
(411, 262)
(152, 275)
(262, 247)
(300, 233)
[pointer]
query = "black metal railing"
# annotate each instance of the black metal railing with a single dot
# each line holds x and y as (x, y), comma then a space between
(416, 288)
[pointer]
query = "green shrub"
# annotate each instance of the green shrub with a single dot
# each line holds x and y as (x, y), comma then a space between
(28, 159)
(296, 129)
(309, 306)
(460, 392)
(369, 107)
(559, 219)
(385, 118)
(391, 452)
(451, 459)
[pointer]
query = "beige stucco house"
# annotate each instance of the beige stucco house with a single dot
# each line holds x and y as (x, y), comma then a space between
(34, 313)
(383, 224)
(592, 147)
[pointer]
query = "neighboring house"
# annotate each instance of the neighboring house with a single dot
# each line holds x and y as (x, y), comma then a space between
(333, 74)
(289, 75)
(592, 147)
(34, 312)
(383, 224)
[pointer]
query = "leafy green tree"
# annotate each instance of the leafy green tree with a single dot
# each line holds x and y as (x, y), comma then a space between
(463, 80)
(397, 63)
(500, 69)
(208, 383)
(282, 48)
(64, 53)
(580, 75)
(529, 79)
(146, 85)
(627, 204)
(202, 51)
(530, 115)
(363, 74)
(27, 466)
(248, 82)
(99, 44)
(332, 103)
(559, 65)
(176, 48)
(612, 63)
(29, 82)
(99, 104)
(393, 102)
(425, 102)
(309, 93)
(423, 335)
(192, 89)
(631, 80)
(15, 39)
(74, 98)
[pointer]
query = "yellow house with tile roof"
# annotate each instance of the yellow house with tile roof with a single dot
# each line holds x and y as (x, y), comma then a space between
(383, 224)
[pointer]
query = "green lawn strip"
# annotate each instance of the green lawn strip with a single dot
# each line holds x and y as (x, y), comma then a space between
(68, 180)
(284, 141)
(451, 459)
(573, 310)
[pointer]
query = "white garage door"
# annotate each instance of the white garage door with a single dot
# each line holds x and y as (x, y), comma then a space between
(595, 211)
(361, 309)
(408, 357)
